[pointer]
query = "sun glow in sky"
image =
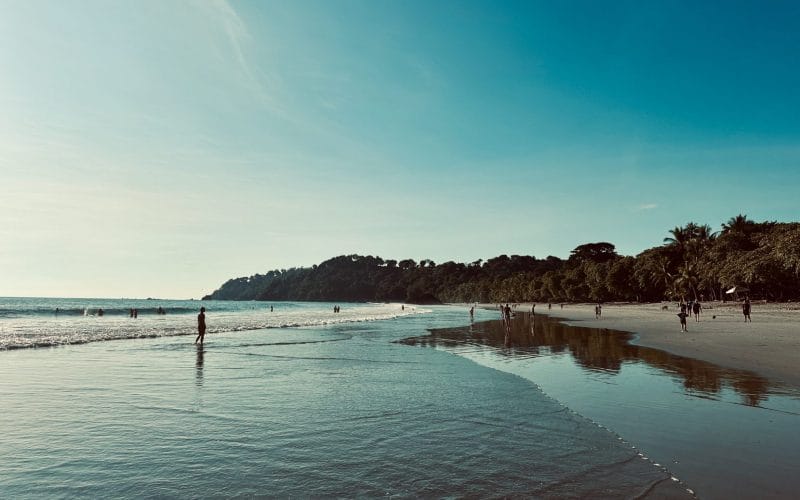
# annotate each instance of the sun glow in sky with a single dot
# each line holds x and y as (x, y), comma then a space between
(158, 148)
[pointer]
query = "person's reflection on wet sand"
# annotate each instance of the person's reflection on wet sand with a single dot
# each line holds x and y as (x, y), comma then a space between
(199, 365)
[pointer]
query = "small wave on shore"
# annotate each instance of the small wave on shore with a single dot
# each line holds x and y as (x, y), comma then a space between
(36, 322)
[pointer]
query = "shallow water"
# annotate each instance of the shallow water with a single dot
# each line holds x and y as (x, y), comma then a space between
(727, 433)
(335, 410)
(43, 322)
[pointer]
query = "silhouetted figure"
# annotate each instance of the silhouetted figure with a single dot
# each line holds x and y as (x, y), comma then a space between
(135, 313)
(533, 309)
(131, 312)
(403, 307)
(682, 315)
(562, 305)
(683, 306)
(598, 311)
(270, 308)
(58, 310)
(746, 310)
(472, 313)
(100, 312)
(549, 306)
(201, 325)
(696, 308)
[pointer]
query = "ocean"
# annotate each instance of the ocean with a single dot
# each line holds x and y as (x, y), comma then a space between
(299, 401)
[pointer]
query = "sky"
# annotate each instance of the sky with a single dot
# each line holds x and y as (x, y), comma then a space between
(157, 148)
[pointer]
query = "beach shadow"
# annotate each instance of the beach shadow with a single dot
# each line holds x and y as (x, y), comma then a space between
(597, 349)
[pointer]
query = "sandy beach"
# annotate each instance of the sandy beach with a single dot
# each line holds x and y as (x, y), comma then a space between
(769, 346)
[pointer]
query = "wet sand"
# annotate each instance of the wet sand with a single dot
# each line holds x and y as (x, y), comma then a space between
(728, 433)
(769, 346)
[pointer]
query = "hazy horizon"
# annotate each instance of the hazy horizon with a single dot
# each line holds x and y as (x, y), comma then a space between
(161, 148)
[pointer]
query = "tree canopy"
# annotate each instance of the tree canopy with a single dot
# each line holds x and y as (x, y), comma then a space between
(693, 262)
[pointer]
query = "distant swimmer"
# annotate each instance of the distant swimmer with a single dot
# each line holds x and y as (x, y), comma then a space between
(201, 325)
(100, 312)
(471, 312)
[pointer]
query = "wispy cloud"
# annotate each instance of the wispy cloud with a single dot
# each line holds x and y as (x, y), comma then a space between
(646, 206)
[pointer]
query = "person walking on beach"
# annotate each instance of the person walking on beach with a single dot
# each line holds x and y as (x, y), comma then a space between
(682, 315)
(598, 311)
(201, 325)
(696, 308)
(746, 310)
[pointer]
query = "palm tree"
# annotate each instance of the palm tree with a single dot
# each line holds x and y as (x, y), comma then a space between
(705, 234)
(738, 224)
(680, 235)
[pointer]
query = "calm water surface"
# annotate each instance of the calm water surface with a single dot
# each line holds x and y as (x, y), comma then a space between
(338, 409)
(728, 433)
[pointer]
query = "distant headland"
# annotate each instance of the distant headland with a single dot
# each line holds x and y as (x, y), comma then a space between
(694, 262)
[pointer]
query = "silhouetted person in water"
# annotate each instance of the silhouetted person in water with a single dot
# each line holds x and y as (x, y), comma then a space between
(201, 325)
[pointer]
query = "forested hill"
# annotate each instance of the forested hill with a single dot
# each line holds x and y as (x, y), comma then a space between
(693, 262)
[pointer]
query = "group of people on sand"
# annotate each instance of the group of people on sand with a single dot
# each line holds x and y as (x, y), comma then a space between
(337, 309)
(694, 307)
(687, 309)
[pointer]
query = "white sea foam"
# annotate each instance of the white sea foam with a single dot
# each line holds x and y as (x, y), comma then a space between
(35, 323)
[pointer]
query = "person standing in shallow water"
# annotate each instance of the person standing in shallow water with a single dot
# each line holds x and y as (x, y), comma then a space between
(201, 325)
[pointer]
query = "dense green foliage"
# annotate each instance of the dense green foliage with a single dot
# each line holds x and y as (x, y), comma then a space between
(693, 262)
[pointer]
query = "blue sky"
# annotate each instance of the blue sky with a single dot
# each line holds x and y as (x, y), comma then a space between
(158, 148)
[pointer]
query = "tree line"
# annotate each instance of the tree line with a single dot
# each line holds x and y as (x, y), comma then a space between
(693, 262)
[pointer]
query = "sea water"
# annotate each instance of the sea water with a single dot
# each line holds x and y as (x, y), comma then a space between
(728, 433)
(44, 322)
(337, 407)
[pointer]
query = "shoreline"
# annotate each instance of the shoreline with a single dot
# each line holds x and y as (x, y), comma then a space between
(769, 346)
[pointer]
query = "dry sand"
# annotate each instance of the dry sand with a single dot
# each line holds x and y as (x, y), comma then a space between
(769, 346)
